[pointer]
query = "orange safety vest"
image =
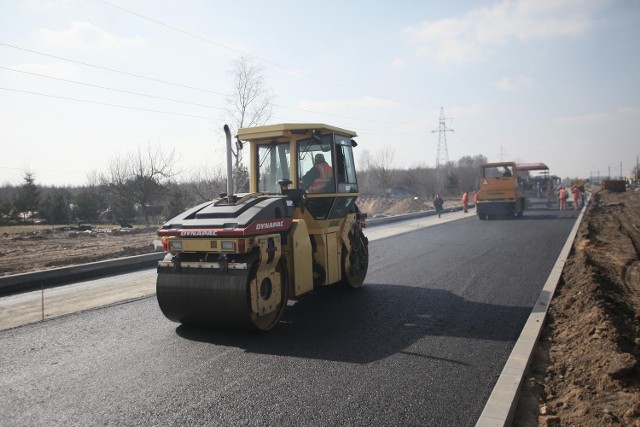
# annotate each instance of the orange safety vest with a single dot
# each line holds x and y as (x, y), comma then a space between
(325, 174)
(562, 194)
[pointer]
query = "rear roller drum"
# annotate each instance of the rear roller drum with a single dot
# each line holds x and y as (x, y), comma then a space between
(355, 262)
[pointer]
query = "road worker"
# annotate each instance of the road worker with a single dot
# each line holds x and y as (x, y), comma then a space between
(437, 204)
(562, 198)
(465, 201)
(316, 180)
(575, 191)
(476, 199)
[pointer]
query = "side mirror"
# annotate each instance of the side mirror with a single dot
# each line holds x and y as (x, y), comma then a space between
(354, 143)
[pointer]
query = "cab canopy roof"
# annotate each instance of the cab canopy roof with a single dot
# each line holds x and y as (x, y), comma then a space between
(532, 167)
(288, 129)
(498, 164)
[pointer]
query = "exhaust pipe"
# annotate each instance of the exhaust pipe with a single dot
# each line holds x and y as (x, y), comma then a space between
(227, 133)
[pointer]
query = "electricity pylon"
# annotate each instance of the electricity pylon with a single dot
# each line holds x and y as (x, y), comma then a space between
(442, 155)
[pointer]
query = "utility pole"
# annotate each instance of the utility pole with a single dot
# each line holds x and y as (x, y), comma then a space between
(442, 155)
(502, 153)
(621, 176)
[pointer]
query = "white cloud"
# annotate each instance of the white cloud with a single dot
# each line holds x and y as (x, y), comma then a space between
(398, 63)
(84, 35)
(342, 104)
(63, 70)
(585, 119)
(471, 37)
(629, 111)
(506, 84)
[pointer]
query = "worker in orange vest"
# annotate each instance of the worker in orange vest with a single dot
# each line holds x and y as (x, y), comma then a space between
(575, 191)
(476, 199)
(465, 201)
(562, 198)
(316, 180)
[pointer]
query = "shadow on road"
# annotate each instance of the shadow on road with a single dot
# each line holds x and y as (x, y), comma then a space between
(368, 324)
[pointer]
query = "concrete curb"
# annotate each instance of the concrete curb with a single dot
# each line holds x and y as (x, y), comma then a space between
(501, 406)
(372, 222)
(61, 275)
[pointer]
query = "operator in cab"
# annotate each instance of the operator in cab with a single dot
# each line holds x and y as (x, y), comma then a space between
(316, 180)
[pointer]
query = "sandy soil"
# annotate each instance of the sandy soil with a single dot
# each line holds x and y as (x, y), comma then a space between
(585, 371)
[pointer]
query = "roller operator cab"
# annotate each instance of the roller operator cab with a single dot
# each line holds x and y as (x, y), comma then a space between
(500, 194)
(235, 261)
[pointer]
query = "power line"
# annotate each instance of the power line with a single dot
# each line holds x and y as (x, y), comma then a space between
(112, 89)
(113, 70)
(165, 82)
(105, 103)
(284, 119)
(275, 64)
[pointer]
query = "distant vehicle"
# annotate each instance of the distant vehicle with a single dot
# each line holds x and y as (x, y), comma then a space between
(538, 187)
(500, 194)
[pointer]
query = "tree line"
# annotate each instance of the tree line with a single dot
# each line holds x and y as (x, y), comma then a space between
(139, 187)
(144, 187)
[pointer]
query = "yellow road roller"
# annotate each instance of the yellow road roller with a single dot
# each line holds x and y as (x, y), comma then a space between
(236, 260)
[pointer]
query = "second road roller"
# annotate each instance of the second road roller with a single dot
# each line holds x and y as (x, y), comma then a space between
(234, 261)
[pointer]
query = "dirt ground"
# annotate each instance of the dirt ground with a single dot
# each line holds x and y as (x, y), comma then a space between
(33, 248)
(585, 371)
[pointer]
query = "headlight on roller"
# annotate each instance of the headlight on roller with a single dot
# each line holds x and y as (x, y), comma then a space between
(227, 245)
(175, 245)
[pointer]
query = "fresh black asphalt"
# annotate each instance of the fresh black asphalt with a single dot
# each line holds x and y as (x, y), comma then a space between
(422, 343)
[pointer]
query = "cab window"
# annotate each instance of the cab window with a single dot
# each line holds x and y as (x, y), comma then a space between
(273, 165)
(316, 165)
(346, 170)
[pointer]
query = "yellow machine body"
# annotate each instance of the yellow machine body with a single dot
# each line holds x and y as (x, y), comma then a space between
(236, 260)
(499, 193)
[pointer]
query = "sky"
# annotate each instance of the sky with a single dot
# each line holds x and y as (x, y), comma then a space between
(554, 81)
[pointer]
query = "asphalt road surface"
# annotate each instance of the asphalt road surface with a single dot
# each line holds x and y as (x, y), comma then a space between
(422, 343)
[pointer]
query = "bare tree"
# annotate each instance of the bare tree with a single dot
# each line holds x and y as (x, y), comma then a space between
(204, 184)
(467, 171)
(139, 178)
(248, 105)
(381, 168)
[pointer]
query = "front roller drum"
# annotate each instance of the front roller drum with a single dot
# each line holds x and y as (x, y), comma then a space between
(195, 296)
